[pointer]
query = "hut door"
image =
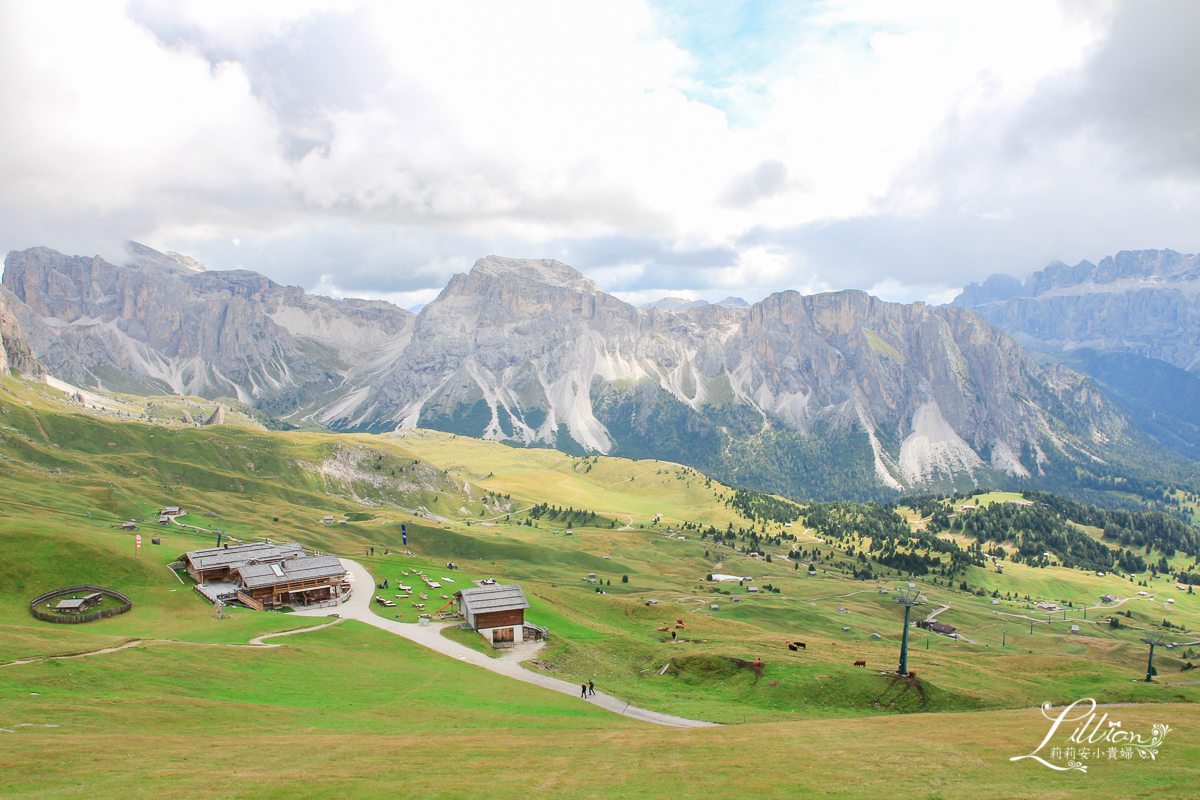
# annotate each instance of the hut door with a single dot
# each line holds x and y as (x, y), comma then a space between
(502, 635)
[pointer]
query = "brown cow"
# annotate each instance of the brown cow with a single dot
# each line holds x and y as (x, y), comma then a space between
(912, 673)
(860, 663)
(663, 628)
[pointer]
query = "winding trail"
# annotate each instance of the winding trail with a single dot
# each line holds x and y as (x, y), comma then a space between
(358, 607)
(36, 659)
(257, 641)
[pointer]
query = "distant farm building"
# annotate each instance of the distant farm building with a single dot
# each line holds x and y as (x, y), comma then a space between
(168, 514)
(261, 575)
(328, 519)
(127, 526)
(496, 612)
(941, 627)
(80, 605)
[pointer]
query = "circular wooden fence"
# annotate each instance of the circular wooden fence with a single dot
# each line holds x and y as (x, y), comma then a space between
(76, 619)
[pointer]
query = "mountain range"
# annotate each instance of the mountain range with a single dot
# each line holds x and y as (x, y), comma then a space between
(1131, 323)
(830, 395)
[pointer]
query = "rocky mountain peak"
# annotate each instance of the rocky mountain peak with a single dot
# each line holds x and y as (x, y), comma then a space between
(545, 271)
(142, 256)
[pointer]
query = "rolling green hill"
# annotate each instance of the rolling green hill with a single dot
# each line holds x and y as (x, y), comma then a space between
(649, 530)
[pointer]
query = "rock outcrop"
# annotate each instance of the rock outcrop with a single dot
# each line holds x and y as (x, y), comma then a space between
(15, 350)
(1145, 302)
(164, 323)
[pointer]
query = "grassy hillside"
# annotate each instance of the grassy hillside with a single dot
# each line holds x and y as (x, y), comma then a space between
(650, 531)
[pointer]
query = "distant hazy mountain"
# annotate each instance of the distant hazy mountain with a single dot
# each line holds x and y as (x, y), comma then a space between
(1131, 322)
(673, 304)
(1162, 398)
(163, 324)
(829, 395)
(1145, 302)
(681, 304)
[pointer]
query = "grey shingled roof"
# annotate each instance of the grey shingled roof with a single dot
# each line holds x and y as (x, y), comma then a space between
(485, 599)
(216, 557)
(305, 568)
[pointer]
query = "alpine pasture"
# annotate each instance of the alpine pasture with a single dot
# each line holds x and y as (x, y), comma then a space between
(188, 705)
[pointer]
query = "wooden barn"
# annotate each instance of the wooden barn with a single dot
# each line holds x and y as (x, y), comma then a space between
(79, 605)
(217, 563)
(497, 612)
(298, 581)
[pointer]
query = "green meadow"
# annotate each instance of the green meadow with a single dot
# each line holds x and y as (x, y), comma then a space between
(188, 707)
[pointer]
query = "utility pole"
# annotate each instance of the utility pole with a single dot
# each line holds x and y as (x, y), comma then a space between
(1154, 640)
(1003, 638)
(908, 596)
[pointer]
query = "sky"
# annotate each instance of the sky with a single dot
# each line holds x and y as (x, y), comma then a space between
(666, 148)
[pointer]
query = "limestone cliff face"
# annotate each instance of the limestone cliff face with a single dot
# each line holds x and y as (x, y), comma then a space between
(532, 352)
(535, 354)
(15, 350)
(165, 323)
(1145, 302)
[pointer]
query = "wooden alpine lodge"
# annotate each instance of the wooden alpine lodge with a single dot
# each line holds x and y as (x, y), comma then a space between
(262, 575)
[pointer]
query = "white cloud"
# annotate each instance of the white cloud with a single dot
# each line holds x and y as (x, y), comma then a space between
(880, 144)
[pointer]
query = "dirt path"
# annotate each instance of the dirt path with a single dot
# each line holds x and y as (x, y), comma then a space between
(358, 607)
(938, 611)
(257, 641)
(36, 659)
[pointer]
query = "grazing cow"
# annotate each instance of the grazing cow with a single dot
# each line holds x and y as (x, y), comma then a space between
(663, 628)
(912, 673)
(679, 620)
(860, 663)
(792, 647)
(799, 644)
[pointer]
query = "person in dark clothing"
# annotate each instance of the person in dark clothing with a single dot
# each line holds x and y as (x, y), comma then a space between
(591, 688)
(372, 551)
(583, 690)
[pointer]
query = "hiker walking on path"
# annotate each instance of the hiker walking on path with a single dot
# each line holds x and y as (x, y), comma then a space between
(591, 688)
(583, 690)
